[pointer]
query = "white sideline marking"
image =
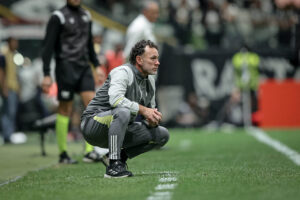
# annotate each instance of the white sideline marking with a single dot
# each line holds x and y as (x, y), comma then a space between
(165, 186)
(264, 138)
(167, 179)
(19, 177)
(163, 191)
(11, 181)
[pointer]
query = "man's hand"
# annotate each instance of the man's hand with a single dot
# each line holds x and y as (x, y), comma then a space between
(46, 84)
(3, 88)
(4, 91)
(152, 115)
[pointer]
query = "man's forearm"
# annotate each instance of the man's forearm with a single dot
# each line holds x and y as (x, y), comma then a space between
(2, 81)
(2, 77)
(142, 110)
(92, 53)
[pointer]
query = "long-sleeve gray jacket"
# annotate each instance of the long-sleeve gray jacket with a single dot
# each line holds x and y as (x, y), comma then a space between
(124, 87)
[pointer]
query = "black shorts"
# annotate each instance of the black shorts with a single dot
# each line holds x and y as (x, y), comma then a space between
(72, 77)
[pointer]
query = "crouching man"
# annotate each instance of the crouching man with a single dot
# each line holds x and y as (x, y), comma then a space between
(109, 119)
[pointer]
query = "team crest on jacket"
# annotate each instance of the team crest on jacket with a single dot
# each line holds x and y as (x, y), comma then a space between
(72, 20)
(85, 18)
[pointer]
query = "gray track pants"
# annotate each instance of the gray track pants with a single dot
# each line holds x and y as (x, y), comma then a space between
(112, 130)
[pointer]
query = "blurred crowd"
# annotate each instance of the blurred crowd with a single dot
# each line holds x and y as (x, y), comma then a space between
(227, 24)
(231, 23)
(200, 24)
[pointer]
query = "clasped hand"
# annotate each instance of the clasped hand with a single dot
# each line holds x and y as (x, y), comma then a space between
(153, 116)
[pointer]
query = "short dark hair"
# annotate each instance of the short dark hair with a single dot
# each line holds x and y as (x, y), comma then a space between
(145, 4)
(10, 39)
(139, 49)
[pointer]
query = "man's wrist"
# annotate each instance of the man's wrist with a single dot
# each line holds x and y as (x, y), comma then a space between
(141, 109)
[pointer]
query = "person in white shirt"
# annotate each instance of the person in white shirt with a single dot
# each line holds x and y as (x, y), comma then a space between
(142, 26)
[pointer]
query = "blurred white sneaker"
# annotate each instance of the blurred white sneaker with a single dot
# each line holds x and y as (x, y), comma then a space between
(18, 138)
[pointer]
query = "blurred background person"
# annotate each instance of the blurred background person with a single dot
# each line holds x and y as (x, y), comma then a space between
(69, 36)
(100, 72)
(181, 19)
(246, 73)
(213, 24)
(142, 26)
(10, 89)
(2, 82)
(241, 105)
(191, 113)
(114, 58)
(31, 105)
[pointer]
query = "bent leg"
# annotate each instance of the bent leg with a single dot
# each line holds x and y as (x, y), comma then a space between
(140, 139)
(62, 124)
(95, 129)
(117, 130)
(107, 130)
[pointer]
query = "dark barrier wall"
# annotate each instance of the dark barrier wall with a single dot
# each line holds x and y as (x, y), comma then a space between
(209, 74)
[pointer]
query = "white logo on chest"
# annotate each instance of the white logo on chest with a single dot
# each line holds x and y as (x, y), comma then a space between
(72, 20)
(85, 18)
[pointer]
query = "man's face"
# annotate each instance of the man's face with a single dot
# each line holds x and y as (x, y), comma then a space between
(152, 12)
(148, 62)
(74, 2)
(13, 44)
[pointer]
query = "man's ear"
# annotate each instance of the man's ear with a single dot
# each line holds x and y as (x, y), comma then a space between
(139, 60)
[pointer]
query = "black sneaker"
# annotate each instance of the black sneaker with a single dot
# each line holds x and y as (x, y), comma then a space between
(96, 157)
(117, 170)
(65, 159)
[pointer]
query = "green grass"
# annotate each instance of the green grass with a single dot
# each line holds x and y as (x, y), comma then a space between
(16, 160)
(206, 165)
(290, 137)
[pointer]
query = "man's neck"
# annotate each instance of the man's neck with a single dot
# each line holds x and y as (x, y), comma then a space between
(72, 7)
(141, 71)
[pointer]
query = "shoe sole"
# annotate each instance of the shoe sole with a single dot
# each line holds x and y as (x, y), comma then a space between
(104, 160)
(87, 160)
(108, 176)
(68, 163)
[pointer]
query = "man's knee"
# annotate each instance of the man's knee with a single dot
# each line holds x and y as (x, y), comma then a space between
(162, 136)
(122, 114)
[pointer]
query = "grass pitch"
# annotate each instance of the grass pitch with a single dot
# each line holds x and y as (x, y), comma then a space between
(204, 166)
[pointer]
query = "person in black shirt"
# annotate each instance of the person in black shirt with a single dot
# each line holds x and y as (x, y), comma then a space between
(69, 38)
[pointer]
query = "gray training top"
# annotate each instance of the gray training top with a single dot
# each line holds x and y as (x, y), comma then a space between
(125, 87)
